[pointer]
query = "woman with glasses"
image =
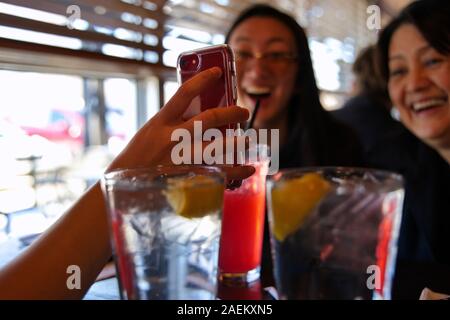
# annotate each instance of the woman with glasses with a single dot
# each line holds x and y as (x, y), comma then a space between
(274, 66)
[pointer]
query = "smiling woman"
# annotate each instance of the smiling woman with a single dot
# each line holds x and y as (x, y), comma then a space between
(419, 84)
(415, 59)
(274, 66)
(415, 54)
(268, 67)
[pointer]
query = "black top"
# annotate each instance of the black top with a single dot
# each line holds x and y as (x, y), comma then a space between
(423, 246)
(369, 117)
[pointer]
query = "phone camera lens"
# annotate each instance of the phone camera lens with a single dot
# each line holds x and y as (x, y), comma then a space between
(189, 62)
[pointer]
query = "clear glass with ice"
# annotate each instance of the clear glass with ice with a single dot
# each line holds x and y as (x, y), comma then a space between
(165, 230)
(334, 232)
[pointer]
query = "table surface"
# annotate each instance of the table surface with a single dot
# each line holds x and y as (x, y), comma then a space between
(410, 279)
(107, 289)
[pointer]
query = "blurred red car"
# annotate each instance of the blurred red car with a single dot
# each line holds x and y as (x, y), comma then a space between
(64, 126)
(68, 127)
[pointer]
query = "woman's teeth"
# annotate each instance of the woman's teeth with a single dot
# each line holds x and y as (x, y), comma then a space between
(258, 92)
(418, 106)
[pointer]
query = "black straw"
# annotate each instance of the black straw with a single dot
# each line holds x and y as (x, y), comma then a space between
(252, 119)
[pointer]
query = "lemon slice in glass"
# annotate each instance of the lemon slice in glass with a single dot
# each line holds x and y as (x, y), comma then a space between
(293, 200)
(196, 196)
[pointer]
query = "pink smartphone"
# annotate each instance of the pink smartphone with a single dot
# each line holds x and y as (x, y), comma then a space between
(223, 93)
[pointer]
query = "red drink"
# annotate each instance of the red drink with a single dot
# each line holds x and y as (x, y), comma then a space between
(243, 226)
(242, 229)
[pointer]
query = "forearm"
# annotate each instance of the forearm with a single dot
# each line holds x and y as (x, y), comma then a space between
(80, 238)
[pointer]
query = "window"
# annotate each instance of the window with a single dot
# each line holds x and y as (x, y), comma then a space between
(121, 112)
(42, 132)
(47, 105)
(51, 136)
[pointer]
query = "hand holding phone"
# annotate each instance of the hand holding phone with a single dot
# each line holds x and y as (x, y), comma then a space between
(223, 93)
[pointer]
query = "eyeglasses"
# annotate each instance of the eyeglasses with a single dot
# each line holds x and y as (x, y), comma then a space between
(272, 58)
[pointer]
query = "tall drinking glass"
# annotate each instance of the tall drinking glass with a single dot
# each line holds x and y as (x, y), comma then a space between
(334, 232)
(165, 230)
(243, 223)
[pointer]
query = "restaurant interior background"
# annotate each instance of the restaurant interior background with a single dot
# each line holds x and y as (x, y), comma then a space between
(78, 77)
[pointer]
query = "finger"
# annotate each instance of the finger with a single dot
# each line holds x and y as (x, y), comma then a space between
(219, 117)
(188, 91)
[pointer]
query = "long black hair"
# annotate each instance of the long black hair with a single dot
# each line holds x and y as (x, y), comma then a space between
(430, 17)
(322, 138)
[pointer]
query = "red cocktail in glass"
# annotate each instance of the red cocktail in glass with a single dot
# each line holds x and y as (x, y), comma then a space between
(243, 227)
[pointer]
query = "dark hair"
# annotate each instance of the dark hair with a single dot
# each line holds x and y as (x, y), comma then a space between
(430, 17)
(366, 70)
(368, 78)
(306, 116)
